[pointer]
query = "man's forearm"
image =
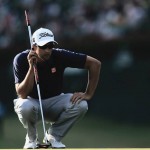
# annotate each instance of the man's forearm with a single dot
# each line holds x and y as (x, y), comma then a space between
(25, 87)
(93, 78)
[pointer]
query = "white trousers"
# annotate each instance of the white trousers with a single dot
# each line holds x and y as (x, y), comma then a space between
(58, 110)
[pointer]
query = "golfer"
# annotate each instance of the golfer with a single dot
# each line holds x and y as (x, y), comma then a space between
(61, 110)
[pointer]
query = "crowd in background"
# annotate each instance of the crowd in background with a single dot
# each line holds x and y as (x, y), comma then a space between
(106, 19)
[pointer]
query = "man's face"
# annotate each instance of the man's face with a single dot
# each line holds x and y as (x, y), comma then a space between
(44, 52)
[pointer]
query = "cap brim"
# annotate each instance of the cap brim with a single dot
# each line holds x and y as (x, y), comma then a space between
(41, 43)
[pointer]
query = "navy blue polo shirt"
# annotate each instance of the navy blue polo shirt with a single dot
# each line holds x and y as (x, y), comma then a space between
(50, 72)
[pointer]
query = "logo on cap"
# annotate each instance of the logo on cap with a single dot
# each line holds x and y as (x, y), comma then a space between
(45, 34)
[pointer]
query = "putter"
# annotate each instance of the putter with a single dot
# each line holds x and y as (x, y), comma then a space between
(45, 145)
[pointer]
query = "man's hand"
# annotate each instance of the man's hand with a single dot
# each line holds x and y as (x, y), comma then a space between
(79, 96)
(32, 58)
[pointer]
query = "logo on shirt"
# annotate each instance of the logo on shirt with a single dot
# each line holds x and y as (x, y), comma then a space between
(53, 70)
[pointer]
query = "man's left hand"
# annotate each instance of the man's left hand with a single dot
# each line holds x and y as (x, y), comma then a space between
(79, 96)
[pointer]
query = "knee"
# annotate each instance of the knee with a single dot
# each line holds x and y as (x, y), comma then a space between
(27, 108)
(83, 107)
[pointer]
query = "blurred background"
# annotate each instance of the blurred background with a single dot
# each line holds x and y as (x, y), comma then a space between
(116, 32)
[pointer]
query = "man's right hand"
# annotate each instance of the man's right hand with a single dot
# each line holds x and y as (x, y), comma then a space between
(32, 58)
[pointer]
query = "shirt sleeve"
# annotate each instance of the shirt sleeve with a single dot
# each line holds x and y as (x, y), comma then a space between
(72, 59)
(19, 68)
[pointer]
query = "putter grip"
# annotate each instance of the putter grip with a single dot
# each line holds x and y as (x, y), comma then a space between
(36, 73)
(27, 18)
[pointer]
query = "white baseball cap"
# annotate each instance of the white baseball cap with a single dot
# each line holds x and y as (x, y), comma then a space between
(43, 36)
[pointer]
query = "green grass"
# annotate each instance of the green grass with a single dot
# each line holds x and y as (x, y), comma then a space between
(91, 132)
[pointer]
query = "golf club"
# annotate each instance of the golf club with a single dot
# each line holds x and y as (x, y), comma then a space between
(46, 145)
